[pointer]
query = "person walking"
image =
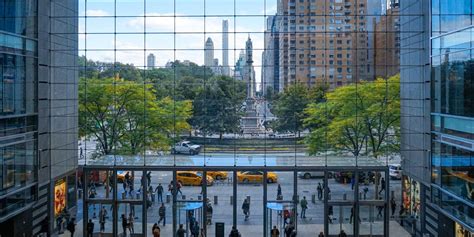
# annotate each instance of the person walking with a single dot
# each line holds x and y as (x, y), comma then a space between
(102, 217)
(289, 230)
(279, 193)
(130, 223)
(380, 208)
(162, 214)
(71, 226)
(90, 228)
(195, 230)
(321, 234)
(246, 208)
(342, 234)
(320, 191)
(181, 231)
(382, 185)
(393, 205)
(234, 232)
(124, 225)
(330, 213)
(275, 232)
(178, 188)
(159, 192)
(155, 230)
(148, 178)
(304, 206)
(152, 193)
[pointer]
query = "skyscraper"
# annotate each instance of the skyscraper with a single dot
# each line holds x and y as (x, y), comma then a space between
(38, 115)
(225, 48)
(209, 53)
(150, 61)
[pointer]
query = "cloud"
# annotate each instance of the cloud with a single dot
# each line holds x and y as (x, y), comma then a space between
(92, 12)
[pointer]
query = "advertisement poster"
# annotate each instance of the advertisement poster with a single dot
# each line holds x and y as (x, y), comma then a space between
(59, 196)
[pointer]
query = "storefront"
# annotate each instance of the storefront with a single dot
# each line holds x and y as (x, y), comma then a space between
(411, 203)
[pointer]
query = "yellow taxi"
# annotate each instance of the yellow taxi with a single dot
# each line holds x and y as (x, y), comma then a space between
(217, 175)
(192, 178)
(121, 175)
(256, 177)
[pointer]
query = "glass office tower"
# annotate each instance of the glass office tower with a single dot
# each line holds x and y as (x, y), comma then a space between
(38, 115)
(452, 113)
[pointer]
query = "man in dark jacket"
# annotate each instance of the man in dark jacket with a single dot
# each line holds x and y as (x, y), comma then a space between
(90, 228)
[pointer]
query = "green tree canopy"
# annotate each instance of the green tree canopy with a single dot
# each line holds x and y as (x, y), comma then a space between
(355, 115)
(125, 116)
(217, 105)
(289, 106)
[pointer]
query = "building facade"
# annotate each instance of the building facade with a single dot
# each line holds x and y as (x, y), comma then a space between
(437, 156)
(225, 48)
(387, 43)
(150, 61)
(323, 41)
(209, 53)
(38, 115)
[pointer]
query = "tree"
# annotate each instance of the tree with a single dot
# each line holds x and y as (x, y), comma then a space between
(289, 106)
(355, 115)
(216, 106)
(126, 117)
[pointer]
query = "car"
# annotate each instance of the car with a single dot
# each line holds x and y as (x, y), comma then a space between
(256, 177)
(312, 174)
(217, 175)
(395, 171)
(185, 147)
(121, 175)
(192, 178)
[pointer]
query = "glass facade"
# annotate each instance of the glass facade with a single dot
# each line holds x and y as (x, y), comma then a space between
(18, 105)
(452, 108)
(263, 115)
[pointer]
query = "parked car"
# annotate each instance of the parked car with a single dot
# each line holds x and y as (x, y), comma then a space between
(192, 178)
(185, 147)
(312, 174)
(256, 177)
(395, 171)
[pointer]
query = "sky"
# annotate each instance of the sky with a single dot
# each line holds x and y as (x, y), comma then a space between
(160, 19)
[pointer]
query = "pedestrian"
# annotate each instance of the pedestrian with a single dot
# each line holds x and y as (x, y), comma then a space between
(380, 208)
(90, 228)
(159, 192)
(127, 178)
(329, 192)
(330, 213)
(148, 178)
(366, 190)
(279, 190)
(246, 208)
(102, 217)
(234, 232)
(320, 191)
(210, 210)
(289, 230)
(181, 231)
(304, 206)
(178, 188)
(152, 194)
(342, 234)
(124, 224)
(171, 187)
(393, 205)
(155, 230)
(321, 234)
(352, 215)
(382, 185)
(352, 181)
(275, 232)
(71, 226)
(124, 185)
(162, 214)
(202, 234)
(130, 223)
(286, 216)
(195, 230)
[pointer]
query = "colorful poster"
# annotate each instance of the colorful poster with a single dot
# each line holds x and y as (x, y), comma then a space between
(59, 196)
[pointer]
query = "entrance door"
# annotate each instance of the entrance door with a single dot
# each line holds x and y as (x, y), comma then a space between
(280, 216)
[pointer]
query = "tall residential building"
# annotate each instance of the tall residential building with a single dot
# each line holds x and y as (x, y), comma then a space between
(38, 114)
(437, 117)
(239, 66)
(248, 70)
(209, 53)
(323, 41)
(225, 48)
(150, 61)
(387, 43)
